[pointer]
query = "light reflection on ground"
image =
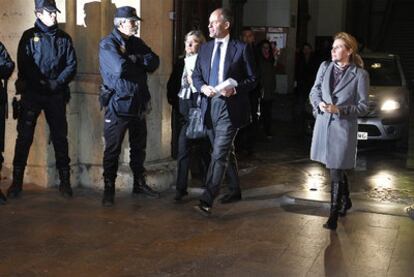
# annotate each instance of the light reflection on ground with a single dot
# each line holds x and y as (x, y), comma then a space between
(382, 180)
(315, 178)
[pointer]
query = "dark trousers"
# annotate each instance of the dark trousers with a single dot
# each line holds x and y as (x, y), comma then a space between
(176, 126)
(266, 116)
(223, 158)
(54, 107)
(184, 158)
(246, 137)
(114, 132)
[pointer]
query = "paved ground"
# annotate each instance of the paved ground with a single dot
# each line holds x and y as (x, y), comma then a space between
(275, 231)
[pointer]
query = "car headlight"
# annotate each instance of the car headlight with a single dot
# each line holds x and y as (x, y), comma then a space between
(390, 105)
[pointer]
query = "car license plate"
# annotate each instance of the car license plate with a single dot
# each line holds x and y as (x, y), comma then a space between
(362, 136)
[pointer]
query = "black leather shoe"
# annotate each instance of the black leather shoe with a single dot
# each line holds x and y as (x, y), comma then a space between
(108, 199)
(179, 195)
(3, 198)
(331, 225)
(65, 187)
(14, 191)
(203, 209)
(65, 191)
(109, 192)
(230, 198)
(147, 190)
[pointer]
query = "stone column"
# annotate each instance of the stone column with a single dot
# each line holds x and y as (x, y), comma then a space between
(71, 13)
(106, 24)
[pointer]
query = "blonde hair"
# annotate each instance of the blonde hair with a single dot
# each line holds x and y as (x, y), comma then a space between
(198, 34)
(351, 44)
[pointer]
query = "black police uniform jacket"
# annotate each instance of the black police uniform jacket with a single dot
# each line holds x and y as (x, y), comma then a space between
(124, 64)
(45, 55)
(6, 63)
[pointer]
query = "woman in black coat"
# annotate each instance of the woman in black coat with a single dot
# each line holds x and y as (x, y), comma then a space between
(183, 96)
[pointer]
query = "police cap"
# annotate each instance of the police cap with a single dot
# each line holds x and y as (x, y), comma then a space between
(127, 12)
(49, 5)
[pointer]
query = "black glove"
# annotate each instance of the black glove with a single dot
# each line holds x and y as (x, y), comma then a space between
(135, 58)
(147, 58)
(53, 85)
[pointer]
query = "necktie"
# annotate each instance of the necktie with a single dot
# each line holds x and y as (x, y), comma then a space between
(213, 80)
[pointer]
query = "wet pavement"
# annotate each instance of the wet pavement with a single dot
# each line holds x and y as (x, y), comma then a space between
(276, 230)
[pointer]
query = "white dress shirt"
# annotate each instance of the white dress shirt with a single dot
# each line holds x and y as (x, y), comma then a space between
(225, 43)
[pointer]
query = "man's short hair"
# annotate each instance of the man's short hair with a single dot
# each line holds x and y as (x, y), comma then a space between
(118, 21)
(227, 16)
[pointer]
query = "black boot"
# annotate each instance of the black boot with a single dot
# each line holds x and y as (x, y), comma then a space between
(3, 198)
(109, 193)
(16, 187)
(64, 186)
(346, 200)
(336, 194)
(140, 186)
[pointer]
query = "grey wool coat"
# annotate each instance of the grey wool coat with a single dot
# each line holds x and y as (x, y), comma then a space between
(334, 140)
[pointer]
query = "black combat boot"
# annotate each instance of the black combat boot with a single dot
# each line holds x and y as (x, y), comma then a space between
(346, 200)
(64, 186)
(140, 186)
(16, 187)
(336, 197)
(109, 193)
(3, 198)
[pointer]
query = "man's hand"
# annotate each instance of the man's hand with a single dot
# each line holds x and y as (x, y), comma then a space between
(135, 58)
(53, 85)
(209, 91)
(228, 92)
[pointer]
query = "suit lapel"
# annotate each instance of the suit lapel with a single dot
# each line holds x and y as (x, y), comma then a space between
(349, 75)
(231, 51)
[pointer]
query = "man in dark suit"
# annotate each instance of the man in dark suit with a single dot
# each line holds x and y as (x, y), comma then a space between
(226, 110)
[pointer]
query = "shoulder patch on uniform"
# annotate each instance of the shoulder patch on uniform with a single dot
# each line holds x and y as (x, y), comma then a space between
(36, 38)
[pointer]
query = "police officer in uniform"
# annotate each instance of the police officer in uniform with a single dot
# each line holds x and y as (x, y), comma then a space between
(46, 62)
(6, 69)
(125, 61)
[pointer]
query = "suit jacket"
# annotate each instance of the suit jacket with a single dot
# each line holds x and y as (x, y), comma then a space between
(239, 64)
(334, 141)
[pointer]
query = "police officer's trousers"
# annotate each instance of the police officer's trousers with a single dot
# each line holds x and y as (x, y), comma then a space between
(115, 128)
(54, 107)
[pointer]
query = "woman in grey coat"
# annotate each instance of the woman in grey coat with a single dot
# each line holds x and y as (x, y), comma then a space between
(339, 96)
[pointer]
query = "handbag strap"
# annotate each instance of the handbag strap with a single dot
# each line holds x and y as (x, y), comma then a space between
(198, 102)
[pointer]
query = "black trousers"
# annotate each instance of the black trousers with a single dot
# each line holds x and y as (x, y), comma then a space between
(246, 137)
(223, 158)
(266, 116)
(54, 107)
(184, 157)
(114, 132)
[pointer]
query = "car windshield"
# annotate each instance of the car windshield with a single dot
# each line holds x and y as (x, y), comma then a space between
(382, 72)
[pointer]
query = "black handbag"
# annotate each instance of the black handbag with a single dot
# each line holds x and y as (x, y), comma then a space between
(196, 128)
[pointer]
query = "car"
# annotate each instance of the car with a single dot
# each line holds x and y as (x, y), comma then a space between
(388, 100)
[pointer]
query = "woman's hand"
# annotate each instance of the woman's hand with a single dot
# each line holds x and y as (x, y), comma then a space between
(331, 108)
(322, 106)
